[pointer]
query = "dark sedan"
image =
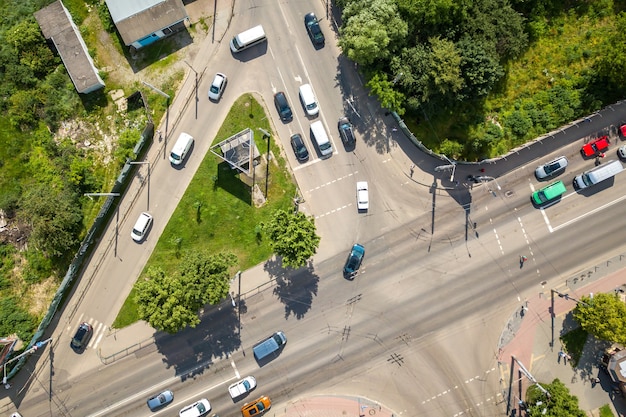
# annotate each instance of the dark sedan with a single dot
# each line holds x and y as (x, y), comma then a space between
(353, 263)
(313, 28)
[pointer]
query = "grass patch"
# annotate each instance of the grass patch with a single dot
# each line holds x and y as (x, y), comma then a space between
(573, 343)
(216, 212)
(605, 411)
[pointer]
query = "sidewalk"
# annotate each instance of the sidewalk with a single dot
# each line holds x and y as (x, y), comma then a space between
(332, 406)
(532, 338)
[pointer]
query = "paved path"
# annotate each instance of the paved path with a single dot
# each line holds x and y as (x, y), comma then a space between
(528, 337)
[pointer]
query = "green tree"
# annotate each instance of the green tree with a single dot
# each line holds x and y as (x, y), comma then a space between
(389, 98)
(603, 316)
(161, 301)
(561, 403)
(414, 65)
(445, 66)
(171, 303)
(293, 237)
(373, 31)
(207, 276)
(55, 217)
(479, 67)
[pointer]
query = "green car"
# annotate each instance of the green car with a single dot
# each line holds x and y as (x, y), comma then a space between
(548, 193)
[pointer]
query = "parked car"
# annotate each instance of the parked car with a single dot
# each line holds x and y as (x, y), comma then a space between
(81, 337)
(217, 86)
(313, 28)
(197, 409)
(362, 196)
(299, 148)
(282, 106)
(141, 227)
(345, 131)
(552, 168)
(243, 387)
(353, 263)
(160, 400)
(596, 147)
(622, 129)
(621, 152)
(256, 408)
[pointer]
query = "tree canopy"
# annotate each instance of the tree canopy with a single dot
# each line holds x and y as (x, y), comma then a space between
(603, 316)
(293, 237)
(561, 403)
(171, 302)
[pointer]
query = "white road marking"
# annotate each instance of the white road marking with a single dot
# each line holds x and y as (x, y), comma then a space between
(334, 181)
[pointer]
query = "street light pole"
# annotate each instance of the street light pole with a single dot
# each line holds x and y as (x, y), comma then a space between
(195, 72)
(117, 218)
(267, 167)
(453, 167)
(33, 349)
(143, 163)
(167, 110)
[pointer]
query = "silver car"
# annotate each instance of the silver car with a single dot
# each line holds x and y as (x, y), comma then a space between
(551, 169)
(217, 86)
(621, 152)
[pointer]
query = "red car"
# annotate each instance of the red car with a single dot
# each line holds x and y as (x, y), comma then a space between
(596, 147)
(622, 129)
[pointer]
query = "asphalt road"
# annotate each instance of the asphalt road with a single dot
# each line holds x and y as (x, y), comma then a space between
(418, 328)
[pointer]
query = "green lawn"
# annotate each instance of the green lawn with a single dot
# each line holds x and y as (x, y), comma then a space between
(573, 343)
(216, 213)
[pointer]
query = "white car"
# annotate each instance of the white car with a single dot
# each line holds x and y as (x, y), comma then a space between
(552, 168)
(141, 227)
(217, 86)
(362, 196)
(621, 152)
(197, 409)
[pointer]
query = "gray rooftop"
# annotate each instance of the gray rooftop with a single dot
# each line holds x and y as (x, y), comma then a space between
(57, 25)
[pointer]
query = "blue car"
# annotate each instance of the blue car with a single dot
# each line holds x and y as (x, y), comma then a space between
(160, 400)
(354, 261)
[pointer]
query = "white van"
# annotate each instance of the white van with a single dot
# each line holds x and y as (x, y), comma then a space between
(308, 100)
(598, 174)
(321, 139)
(247, 39)
(180, 149)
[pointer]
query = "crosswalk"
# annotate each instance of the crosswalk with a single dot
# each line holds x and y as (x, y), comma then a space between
(99, 330)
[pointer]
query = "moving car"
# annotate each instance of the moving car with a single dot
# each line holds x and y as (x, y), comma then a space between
(141, 227)
(345, 131)
(81, 337)
(217, 86)
(299, 148)
(353, 263)
(160, 400)
(241, 388)
(549, 193)
(256, 408)
(552, 168)
(313, 28)
(197, 409)
(596, 147)
(282, 106)
(362, 196)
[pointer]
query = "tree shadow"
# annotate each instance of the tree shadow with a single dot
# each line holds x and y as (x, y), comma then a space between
(295, 288)
(191, 351)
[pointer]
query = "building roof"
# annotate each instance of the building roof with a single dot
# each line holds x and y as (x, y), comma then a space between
(57, 25)
(617, 366)
(139, 18)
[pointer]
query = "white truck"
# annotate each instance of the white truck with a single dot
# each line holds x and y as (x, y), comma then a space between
(241, 388)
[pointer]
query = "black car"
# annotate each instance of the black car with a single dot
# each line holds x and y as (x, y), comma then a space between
(282, 106)
(346, 132)
(353, 263)
(313, 27)
(299, 148)
(82, 337)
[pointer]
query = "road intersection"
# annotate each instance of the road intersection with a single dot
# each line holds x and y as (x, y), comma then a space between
(415, 331)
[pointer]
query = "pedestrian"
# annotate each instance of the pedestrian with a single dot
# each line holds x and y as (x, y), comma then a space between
(522, 259)
(598, 160)
(412, 169)
(561, 354)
